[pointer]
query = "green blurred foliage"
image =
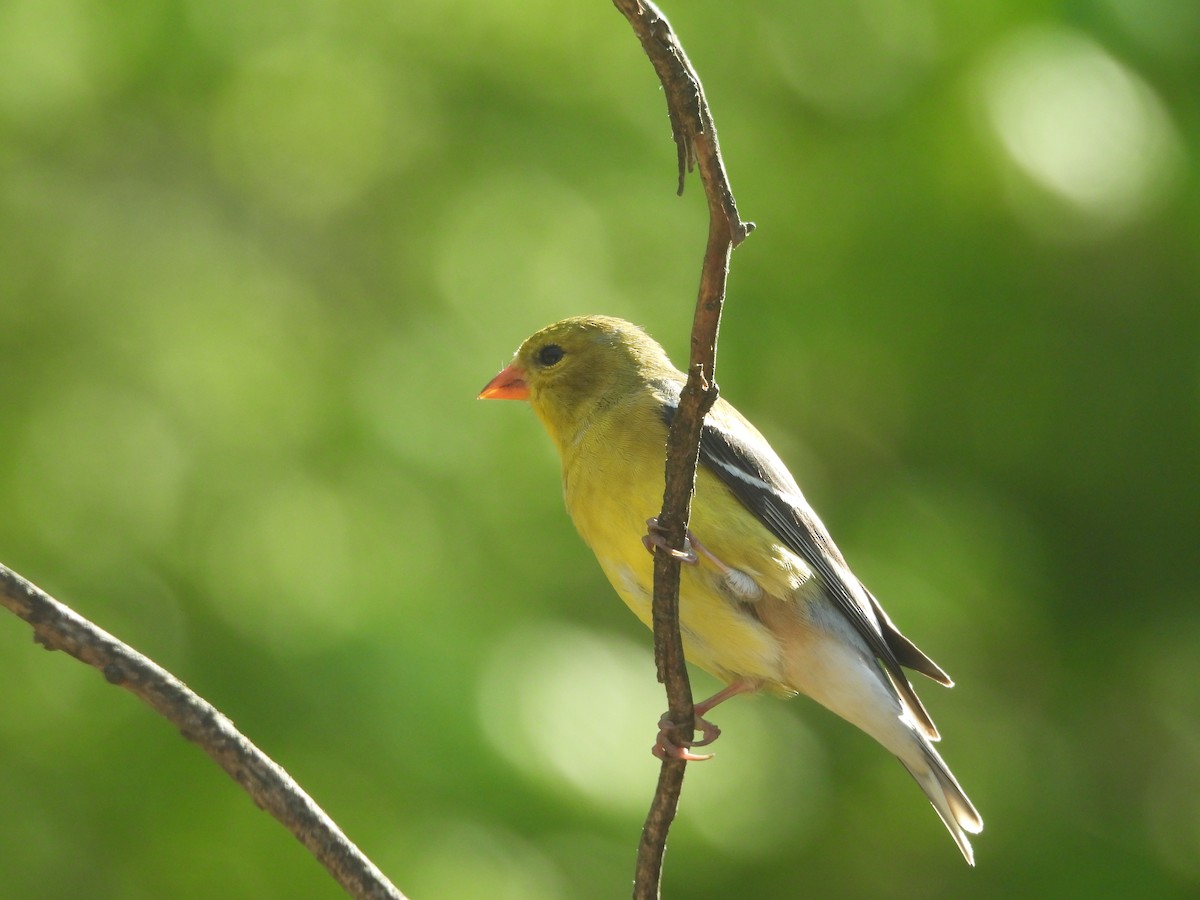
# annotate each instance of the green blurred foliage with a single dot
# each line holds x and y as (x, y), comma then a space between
(257, 259)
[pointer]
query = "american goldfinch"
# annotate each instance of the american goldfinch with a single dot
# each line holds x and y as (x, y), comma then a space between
(768, 602)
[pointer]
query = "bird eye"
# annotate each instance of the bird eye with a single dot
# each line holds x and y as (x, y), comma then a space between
(550, 354)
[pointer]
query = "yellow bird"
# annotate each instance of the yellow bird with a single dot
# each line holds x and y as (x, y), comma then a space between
(767, 602)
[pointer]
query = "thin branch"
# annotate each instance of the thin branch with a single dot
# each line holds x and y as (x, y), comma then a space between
(58, 627)
(696, 142)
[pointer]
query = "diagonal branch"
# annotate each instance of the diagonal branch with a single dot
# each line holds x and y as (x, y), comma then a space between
(57, 627)
(696, 142)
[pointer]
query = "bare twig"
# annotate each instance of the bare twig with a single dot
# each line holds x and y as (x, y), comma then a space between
(696, 142)
(57, 627)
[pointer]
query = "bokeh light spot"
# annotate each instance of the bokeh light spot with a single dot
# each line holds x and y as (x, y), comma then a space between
(577, 711)
(1080, 125)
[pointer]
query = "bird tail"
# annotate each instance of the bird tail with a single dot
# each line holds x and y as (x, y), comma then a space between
(948, 799)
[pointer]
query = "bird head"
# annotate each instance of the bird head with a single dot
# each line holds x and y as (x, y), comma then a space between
(570, 370)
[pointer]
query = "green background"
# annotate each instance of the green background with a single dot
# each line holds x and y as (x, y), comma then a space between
(256, 260)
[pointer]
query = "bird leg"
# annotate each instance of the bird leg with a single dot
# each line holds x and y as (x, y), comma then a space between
(665, 748)
(740, 585)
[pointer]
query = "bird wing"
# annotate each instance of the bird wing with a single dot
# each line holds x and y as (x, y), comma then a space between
(743, 461)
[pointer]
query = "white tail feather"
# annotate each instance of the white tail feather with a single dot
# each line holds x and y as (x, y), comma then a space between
(948, 799)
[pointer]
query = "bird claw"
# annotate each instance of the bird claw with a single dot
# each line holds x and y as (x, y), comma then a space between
(655, 541)
(664, 748)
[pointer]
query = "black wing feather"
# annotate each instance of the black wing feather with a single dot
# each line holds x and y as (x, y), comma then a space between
(793, 524)
(774, 499)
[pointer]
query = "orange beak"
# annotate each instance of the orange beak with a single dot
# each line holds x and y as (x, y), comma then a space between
(509, 384)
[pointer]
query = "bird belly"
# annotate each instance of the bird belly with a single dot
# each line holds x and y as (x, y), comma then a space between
(609, 506)
(721, 635)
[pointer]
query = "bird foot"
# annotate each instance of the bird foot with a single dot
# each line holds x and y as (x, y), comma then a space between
(655, 541)
(664, 748)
